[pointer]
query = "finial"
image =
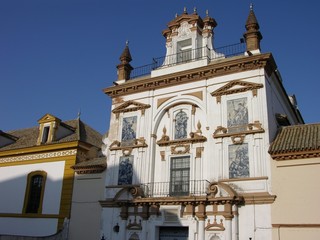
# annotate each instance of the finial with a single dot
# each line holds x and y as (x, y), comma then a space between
(195, 10)
(207, 13)
(176, 15)
(251, 6)
(127, 43)
(185, 10)
(79, 113)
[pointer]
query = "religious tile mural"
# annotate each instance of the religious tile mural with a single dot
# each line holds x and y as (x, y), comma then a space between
(125, 170)
(181, 123)
(237, 114)
(129, 128)
(238, 161)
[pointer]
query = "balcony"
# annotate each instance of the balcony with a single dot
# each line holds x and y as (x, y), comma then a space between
(176, 188)
(189, 56)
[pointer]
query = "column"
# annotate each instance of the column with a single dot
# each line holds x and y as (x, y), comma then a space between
(235, 223)
(201, 224)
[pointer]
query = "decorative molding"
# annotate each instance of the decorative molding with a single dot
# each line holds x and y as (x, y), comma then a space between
(39, 156)
(198, 95)
(298, 225)
(250, 128)
(130, 106)
(163, 155)
(229, 66)
(199, 151)
(195, 138)
(162, 100)
(236, 86)
(237, 139)
(295, 155)
(180, 149)
(136, 143)
(215, 226)
(134, 225)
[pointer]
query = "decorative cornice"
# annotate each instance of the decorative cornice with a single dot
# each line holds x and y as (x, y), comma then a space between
(38, 156)
(251, 128)
(136, 143)
(295, 155)
(228, 66)
(194, 139)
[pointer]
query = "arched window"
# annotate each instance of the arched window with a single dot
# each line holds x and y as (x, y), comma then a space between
(34, 192)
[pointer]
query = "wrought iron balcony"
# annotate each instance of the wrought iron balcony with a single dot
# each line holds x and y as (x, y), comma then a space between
(189, 56)
(176, 188)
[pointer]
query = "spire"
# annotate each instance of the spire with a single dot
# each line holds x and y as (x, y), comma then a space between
(126, 56)
(124, 68)
(252, 35)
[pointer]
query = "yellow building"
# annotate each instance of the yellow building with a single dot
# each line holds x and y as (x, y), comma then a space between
(36, 175)
(295, 175)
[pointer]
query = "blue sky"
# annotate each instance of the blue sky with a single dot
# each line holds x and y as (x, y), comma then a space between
(56, 56)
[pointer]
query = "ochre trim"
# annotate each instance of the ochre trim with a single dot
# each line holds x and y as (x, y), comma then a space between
(67, 189)
(296, 155)
(251, 128)
(229, 89)
(215, 69)
(243, 179)
(288, 225)
(196, 94)
(125, 107)
(258, 198)
(41, 148)
(162, 100)
(30, 215)
(27, 191)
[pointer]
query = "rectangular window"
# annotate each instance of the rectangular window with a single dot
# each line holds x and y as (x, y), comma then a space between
(179, 176)
(45, 134)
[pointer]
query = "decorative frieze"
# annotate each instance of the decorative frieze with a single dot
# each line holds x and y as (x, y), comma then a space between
(38, 156)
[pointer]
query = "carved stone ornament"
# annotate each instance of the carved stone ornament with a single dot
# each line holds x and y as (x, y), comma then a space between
(250, 128)
(194, 138)
(130, 106)
(136, 143)
(238, 139)
(134, 225)
(236, 87)
(180, 149)
(215, 226)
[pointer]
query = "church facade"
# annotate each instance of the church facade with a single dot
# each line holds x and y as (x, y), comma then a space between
(187, 149)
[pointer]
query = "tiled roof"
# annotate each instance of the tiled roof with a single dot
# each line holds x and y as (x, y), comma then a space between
(297, 138)
(28, 137)
(95, 165)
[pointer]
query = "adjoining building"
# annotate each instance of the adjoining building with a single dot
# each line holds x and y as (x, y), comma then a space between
(37, 179)
(187, 149)
(295, 178)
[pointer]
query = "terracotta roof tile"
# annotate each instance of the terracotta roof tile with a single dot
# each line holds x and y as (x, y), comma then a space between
(296, 138)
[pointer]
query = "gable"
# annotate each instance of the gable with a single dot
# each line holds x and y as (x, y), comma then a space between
(130, 106)
(236, 87)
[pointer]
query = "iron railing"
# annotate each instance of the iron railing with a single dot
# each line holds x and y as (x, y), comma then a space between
(176, 188)
(189, 56)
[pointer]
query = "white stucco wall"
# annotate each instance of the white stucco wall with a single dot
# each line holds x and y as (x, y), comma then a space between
(13, 181)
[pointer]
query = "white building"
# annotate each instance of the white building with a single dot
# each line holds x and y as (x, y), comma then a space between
(187, 149)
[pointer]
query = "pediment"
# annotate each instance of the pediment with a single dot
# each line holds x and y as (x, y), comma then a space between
(48, 118)
(130, 106)
(236, 87)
